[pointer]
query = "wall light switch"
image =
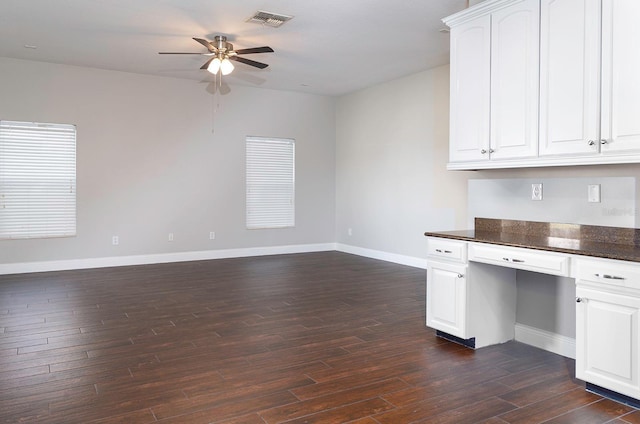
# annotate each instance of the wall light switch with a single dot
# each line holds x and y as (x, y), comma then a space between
(536, 191)
(212, 235)
(170, 236)
(593, 191)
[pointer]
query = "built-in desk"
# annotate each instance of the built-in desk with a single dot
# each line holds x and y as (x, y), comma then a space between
(471, 291)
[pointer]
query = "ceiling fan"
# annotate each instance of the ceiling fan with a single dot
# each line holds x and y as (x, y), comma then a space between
(222, 53)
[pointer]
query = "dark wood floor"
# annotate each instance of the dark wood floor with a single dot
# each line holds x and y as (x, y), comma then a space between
(309, 338)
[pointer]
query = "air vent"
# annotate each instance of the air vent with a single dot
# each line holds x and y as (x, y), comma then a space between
(269, 19)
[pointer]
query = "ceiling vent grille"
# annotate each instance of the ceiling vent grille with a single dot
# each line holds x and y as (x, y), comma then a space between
(269, 19)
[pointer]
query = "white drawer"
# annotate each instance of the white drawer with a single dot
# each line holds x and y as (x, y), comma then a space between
(447, 249)
(609, 272)
(519, 258)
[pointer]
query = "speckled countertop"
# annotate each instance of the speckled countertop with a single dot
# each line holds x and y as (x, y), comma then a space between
(589, 240)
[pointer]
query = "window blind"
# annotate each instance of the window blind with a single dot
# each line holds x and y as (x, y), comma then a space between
(270, 178)
(37, 180)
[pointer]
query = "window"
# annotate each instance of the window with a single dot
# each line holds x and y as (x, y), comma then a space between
(37, 180)
(270, 182)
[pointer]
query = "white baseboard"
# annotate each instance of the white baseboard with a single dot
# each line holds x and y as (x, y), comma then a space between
(25, 267)
(62, 265)
(384, 256)
(545, 340)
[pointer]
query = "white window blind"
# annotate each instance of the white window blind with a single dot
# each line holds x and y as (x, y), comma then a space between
(270, 182)
(37, 180)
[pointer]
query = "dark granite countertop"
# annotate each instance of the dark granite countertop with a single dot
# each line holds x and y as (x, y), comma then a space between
(588, 240)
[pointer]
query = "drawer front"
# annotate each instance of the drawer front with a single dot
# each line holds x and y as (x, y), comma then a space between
(609, 272)
(526, 259)
(447, 249)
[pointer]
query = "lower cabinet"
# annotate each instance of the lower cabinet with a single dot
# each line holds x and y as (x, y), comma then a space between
(473, 302)
(447, 298)
(608, 327)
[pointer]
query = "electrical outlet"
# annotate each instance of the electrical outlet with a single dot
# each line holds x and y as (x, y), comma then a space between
(212, 235)
(170, 236)
(536, 191)
(115, 240)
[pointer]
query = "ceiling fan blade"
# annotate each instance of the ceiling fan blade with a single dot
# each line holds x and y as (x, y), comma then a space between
(249, 62)
(180, 53)
(206, 64)
(265, 49)
(207, 44)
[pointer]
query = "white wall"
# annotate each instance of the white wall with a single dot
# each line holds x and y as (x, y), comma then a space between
(564, 200)
(153, 158)
(391, 152)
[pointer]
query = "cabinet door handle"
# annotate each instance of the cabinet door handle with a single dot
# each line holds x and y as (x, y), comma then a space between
(591, 142)
(580, 299)
(448, 251)
(517, 260)
(460, 275)
(439, 250)
(483, 151)
(505, 259)
(610, 277)
(603, 141)
(491, 151)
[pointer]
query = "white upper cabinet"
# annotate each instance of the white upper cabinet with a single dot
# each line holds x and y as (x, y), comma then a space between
(563, 84)
(514, 81)
(587, 48)
(569, 76)
(620, 131)
(494, 82)
(470, 83)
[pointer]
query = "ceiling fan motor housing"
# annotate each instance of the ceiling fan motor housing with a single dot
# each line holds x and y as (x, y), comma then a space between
(222, 45)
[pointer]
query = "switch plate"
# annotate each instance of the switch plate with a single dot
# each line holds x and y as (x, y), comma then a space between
(115, 240)
(170, 236)
(536, 191)
(593, 193)
(212, 235)
(350, 231)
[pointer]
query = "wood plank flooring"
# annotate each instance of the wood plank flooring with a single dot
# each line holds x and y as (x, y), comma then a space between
(308, 338)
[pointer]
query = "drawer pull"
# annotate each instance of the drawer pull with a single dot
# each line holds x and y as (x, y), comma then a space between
(518, 261)
(445, 251)
(610, 277)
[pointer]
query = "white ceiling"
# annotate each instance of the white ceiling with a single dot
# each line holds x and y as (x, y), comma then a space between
(330, 47)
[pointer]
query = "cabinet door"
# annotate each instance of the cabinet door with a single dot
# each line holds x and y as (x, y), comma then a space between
(569, 77)
(470, 79)
(607, 340)
(620, 76)
(446, 298)
(515, 80)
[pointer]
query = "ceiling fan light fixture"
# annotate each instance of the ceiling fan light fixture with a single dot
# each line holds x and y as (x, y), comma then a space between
(214, 66)
(226, 67)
